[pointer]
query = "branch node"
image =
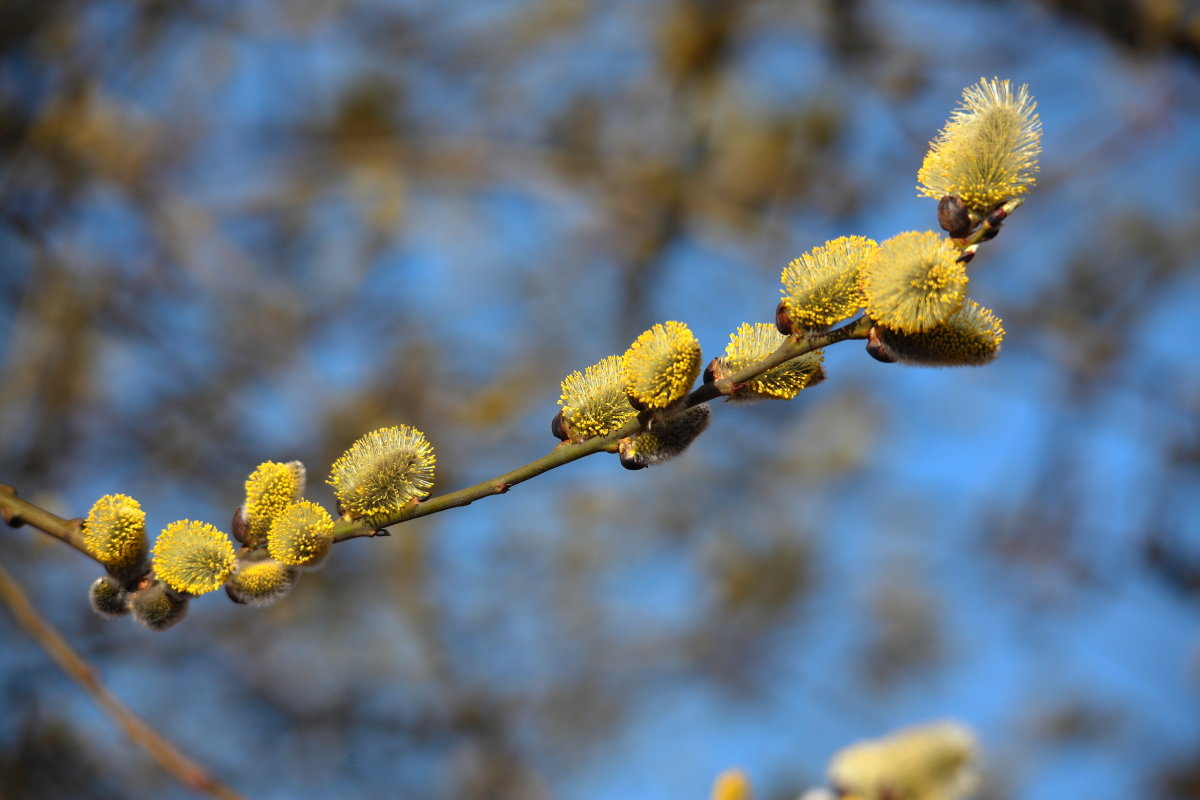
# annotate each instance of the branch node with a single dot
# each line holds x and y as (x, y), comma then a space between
(11, 516)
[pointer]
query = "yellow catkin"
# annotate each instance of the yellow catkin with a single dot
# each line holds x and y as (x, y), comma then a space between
(301, 535)
(261, 582)
(661, 365)
(383, 471)
(914, 282)
(970, 338)
(269, 490)
(193, 557)
(732, 784)
(664, 440)
(820, 287)
(594, 401)
(988, 151)
(114, 532)
(935, 761)
(750, 344)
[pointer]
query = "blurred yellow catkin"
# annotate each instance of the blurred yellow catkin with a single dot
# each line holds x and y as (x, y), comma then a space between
(732, 784)
(935, 761)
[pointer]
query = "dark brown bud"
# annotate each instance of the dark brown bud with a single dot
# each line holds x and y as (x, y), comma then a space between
(783, 320)
(558, 427)
(877, 350)
(713, 371)
(953, 216)
(998, 215)
(990, 232)
(968, 253)
(238, 526)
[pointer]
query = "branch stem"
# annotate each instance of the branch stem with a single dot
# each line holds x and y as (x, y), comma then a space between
(793, 347)
(17, 512)
(1002, 213)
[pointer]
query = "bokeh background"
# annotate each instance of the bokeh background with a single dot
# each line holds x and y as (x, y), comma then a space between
(234, 232)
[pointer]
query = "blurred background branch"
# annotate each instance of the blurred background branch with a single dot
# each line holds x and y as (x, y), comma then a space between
(181, 768)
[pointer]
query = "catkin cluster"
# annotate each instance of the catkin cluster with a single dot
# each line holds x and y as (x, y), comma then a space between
(906, 295)
(913, 286)
(911, 289)
(279, 531)
(932, 761)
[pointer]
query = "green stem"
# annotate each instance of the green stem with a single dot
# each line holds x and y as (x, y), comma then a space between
(793, 346)
(985, 227)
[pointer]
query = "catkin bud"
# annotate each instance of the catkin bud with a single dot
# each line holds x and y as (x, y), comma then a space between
(914, 282)
(876, 349)
(783, 320)
(269, 490)
(661, 365)
(558, 427)
(108, 597)
(157, 607)
(593, 402)
(667, 439)
(935, 760)
(953, 216)
(821, 288)
(258, 581)
(193, 557)
(382, 472)
(114, 534)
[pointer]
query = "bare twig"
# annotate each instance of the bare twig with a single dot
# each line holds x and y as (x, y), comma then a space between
(184, 769)
(17, 512)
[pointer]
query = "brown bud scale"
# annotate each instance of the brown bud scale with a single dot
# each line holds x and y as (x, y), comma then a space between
(877, 350)
(953, 216)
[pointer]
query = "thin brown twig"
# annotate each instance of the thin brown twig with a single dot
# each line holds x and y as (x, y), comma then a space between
(16, 512)
(186, 771)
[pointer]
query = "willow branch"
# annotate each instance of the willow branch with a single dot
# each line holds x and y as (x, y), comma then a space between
(17, 512)
(793, 346)
(180, 766)
(989, 227)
